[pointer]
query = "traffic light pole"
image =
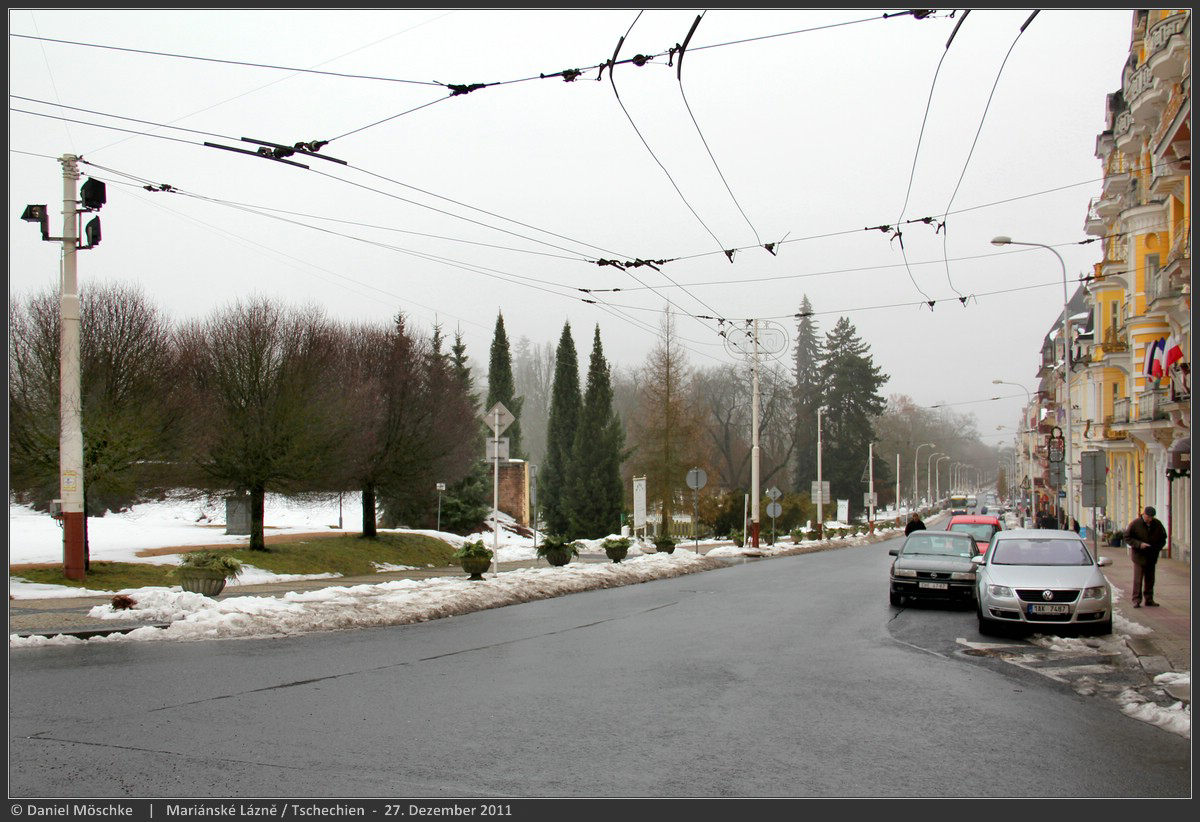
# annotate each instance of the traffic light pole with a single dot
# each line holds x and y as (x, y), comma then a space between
(70, 443)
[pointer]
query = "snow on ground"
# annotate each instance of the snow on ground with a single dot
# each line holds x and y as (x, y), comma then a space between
(184, 521)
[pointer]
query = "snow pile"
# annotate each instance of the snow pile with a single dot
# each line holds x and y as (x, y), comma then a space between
(398, 602)
(1176, 718)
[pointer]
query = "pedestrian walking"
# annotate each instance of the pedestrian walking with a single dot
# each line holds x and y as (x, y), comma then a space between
(914, 524)
(1145, 537)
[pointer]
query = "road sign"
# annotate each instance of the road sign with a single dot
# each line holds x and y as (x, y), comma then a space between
(696, 479)
(772, 339)
(774, 493)
(871, 498)
(639, 502)
(821, 496)
(774, 509)
(497, 449)
(498, 418)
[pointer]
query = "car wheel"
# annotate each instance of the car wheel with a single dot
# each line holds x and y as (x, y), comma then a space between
(987, 627)
(897, 599)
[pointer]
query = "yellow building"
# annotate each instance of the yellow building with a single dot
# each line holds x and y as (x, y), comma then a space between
(1135, 389)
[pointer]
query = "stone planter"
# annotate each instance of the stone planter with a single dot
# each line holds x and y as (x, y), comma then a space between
(665, 547)
(475, 566)
(199, 581)
(558, 556)
(616, 553)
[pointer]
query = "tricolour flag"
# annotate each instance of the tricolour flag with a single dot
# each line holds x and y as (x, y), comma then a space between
(1156, 365)
(1174, 351)
(1148, 360)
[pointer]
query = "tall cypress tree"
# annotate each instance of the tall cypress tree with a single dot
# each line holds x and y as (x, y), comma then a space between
(501, 387)
(565, 408)
(809, 394)
(852, 382)
(596, 495)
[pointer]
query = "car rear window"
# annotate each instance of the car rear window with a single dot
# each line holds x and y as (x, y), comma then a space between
(1040, 552)
(944, 544)
(979, 531)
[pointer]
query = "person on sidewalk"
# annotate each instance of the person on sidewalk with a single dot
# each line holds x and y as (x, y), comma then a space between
(1145, 537)
(914, 524)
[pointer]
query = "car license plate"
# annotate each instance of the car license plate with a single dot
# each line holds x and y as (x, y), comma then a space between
(1049, 609)
(940, 586)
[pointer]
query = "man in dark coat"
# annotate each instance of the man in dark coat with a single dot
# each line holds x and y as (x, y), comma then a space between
(914, 524)
(1145, 537)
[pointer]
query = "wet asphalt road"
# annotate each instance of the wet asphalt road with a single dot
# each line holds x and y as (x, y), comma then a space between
(782, 677)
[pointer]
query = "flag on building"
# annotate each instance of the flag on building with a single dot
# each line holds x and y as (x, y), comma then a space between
(1148, 360)
(1156, 364)
(1174, 352)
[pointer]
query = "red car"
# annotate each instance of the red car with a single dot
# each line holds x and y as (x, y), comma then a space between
(979, 526)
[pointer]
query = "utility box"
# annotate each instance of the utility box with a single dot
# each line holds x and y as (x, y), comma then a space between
(237, 514)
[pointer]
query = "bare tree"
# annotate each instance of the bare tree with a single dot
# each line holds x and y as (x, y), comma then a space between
(132, 421)
(667, 425)
(268, 410)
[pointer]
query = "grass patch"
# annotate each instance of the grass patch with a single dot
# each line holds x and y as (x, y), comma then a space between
(106, 576)
(345, 555)
(349, 556)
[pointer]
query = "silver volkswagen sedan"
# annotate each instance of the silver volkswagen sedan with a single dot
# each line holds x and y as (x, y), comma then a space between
(1042, 579)
(934, 565)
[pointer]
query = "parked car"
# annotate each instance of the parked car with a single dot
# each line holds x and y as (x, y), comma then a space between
(981, 527)
(1042, 579)
(933, 565)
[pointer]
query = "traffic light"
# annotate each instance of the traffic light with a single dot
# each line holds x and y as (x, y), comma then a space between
(91, 232)
(92, 195)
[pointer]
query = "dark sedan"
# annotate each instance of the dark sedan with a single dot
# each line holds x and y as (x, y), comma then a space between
(934, 565)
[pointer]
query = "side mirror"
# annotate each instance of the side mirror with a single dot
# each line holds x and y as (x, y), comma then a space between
(1103, 561)
(895, 552)
(977, 559)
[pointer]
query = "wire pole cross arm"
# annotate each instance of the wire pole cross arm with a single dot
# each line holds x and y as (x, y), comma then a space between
(267, 156)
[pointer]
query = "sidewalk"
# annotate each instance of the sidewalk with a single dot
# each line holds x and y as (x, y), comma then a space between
(1169, 647)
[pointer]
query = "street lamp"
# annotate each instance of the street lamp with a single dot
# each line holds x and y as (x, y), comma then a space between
(1067, 455)
(929, 475)
(1028, 439)
(937, 475)
(820, 488)
(916, 493)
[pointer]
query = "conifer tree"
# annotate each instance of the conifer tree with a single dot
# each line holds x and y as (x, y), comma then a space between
(565, 408)
(501, 387)
(851, 381)
(809, 392)
(596, 494)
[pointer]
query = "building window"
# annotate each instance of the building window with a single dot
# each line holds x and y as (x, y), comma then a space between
(1152, 266)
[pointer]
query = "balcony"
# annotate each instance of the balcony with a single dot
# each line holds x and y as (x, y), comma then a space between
(1167, 46)
(1150, 405)
(1147, 97)
(1120, 414)
(1113, 343)
(1111, 433)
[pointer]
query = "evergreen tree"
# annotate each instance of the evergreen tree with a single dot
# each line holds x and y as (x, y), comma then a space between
(852, 382)
(467, 502)
(501, 388)
(809, 392)
(596, 495)
(565, 409)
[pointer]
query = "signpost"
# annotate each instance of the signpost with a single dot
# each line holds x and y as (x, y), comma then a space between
(774, 509)
(696, 479)
(639, 504)
(499, 418)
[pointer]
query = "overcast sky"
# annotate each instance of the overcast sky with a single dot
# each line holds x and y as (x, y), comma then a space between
(805, 129)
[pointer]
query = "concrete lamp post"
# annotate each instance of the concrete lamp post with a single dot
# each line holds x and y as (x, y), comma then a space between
(1067, 455)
